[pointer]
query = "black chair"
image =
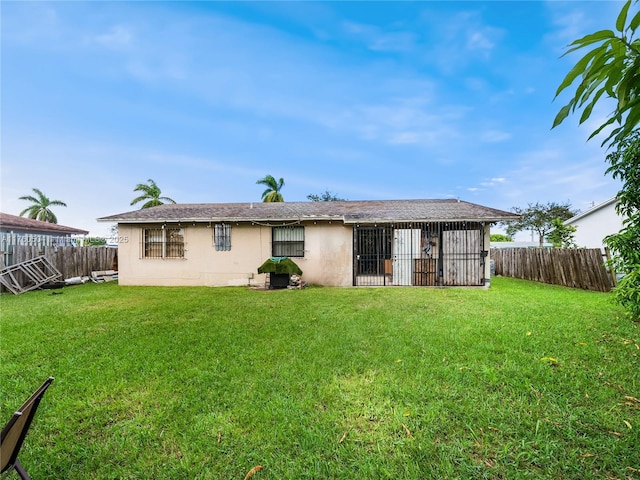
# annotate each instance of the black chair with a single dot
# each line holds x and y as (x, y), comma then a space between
(15, 431)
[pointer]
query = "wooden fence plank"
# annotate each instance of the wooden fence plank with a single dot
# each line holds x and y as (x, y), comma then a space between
(70, 261)
(576, 268)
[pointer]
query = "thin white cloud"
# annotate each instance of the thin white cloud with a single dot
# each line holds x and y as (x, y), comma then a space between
(573, 20)
(216, 102)
(30, 23)
(477, 84)
(481, 40)
(549, 174)
(401, 138)
(488, 184)
(116, 37)
(381, 41)
(394, 42)
(355, 28)
(407, 122)
(570, 25)
(495, 136)
(461, 39)
(163, 70)
(262, 73)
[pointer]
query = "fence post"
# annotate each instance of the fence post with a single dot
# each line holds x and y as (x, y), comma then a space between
(612, 273)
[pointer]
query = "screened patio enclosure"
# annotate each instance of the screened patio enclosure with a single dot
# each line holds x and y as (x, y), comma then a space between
(421, 254)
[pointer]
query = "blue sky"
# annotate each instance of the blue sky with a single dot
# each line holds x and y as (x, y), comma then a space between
(369, 100)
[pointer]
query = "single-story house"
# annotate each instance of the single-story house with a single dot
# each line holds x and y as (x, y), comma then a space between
(15, 230)
(596, 223)
(347, 243)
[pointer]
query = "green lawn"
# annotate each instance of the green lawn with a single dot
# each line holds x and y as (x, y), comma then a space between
(520, 381)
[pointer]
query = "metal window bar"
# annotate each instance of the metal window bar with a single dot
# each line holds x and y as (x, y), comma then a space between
(153, 243)
(424, 254)
(222, 236)
(174, 243)
(373, 255)
(287, 241)
(163, 243)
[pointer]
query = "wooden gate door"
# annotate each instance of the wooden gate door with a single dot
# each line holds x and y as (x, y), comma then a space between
(461, 256)
(406, 247)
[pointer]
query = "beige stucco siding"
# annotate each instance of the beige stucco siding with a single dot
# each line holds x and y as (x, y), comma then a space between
(327, 260)
(487, 260)
(328, 255)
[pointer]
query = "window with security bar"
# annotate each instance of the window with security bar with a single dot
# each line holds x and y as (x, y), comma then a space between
(163, 243)
(287, 241)
(222, 236)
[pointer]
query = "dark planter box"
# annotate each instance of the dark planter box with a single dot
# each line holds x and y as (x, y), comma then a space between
(279, 280)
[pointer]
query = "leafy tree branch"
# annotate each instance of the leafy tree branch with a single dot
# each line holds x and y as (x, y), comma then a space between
(611, 69)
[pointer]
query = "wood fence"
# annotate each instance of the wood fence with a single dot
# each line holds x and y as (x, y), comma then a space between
(577, 268)
(69, 261)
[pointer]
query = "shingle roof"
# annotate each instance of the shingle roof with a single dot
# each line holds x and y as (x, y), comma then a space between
(9, 222)
(369, 211)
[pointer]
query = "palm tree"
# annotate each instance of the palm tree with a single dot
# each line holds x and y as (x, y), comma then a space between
(40, 209)
(272, 193)
(150, 193)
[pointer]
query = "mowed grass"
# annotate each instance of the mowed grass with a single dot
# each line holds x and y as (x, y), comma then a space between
(520, 381)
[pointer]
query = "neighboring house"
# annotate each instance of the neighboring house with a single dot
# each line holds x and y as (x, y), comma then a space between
(595, 224)
(15, 230)
(396, 242)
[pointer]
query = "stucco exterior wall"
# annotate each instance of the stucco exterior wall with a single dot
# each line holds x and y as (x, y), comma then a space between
(327, 260)
(487, 260)
(328, 255)
(594, 226)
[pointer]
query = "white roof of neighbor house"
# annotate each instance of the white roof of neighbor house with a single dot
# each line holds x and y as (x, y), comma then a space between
(590, 211)
(368, 211)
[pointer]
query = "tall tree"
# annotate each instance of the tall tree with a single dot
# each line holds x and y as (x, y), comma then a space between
(40, 208)
(539, 218)
(625, 245)
(325, 196)
(151, 195)
(272, 192)
(611, 68)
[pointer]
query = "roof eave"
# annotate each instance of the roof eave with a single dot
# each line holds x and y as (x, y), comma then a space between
(590, 211)
(217, 219)
(350, 221)
(428, 220)
(52, 232)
